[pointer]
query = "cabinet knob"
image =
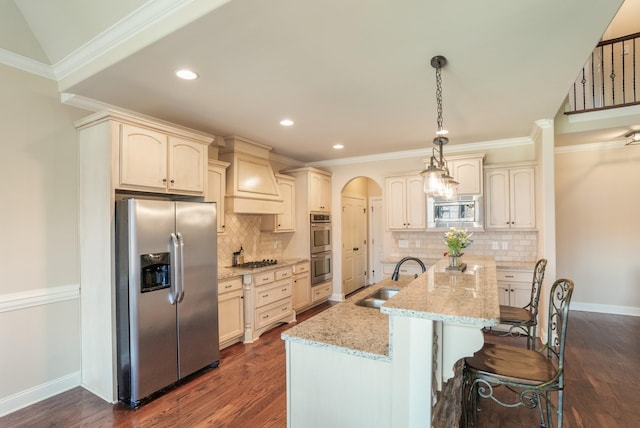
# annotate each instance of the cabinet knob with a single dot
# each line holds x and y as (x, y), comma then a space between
(173, 181)
(164, 180)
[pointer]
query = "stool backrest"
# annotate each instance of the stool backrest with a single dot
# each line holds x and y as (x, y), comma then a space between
(559, 300)
(536, 286)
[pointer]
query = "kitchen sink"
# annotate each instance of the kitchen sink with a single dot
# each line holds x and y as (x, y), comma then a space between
(376, 299)
(385, 293)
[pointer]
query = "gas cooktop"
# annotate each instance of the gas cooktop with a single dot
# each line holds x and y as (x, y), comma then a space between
(257, 264)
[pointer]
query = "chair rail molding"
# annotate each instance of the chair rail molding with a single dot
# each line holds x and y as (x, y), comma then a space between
(41, 296)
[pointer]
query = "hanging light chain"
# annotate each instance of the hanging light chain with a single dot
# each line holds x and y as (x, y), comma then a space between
(439, 96)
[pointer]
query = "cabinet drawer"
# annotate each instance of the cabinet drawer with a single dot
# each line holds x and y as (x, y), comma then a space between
(272, 293)
(272, 313)
(228, 285)
(302, 268)
(263, 278)
(283, 273)
(514, 275)
(320, 292)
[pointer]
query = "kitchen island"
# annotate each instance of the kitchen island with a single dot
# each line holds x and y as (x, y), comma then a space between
(357, 366)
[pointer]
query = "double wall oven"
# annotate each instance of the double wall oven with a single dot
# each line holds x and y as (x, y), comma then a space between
(320, 243)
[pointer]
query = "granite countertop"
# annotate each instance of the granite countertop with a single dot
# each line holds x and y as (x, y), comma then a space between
(469, 298)
(349, 328)
(226, 272)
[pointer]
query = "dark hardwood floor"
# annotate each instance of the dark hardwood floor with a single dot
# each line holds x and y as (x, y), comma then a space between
(248, 389)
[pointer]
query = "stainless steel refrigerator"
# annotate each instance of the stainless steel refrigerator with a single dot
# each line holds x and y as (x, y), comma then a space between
(167, 294)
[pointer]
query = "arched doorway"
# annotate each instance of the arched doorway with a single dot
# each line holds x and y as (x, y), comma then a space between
(361, 205)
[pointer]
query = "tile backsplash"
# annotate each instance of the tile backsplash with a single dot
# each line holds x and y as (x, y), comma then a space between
(244, 229)
(503, 245)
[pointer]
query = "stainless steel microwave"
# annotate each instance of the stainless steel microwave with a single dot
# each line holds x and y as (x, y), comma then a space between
(464, 211)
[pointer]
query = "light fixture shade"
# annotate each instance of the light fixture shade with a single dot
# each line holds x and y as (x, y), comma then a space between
(633, 137)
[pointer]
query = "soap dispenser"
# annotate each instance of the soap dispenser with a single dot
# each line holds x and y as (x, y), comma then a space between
(241, 255)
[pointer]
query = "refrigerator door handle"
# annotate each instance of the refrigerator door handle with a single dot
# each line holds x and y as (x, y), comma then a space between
(181, 246)
(175, 263)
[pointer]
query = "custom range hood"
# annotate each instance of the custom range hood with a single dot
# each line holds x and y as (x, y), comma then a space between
(251, 184)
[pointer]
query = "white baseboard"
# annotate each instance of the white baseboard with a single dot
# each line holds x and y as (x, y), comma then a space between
(38, 393)
(605, 309)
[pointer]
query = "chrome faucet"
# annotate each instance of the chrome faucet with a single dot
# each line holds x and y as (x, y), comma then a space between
(396, 271)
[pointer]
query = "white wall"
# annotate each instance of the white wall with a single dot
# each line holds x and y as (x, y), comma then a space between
(39, 290)
(598, 226)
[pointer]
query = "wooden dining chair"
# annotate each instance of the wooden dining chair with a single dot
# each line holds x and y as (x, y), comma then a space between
(525, 320)
(530, 376)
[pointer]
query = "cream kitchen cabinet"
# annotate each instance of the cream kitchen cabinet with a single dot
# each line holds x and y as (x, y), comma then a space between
(267, 301)
(155, 161)
(406, 203)
(321, 292)
(286, 221)
(301, 286)
(467, 170)
(216, 184)
(514, 289)
(510, 197)
(108, 158)
(319, 191)
(230, 311)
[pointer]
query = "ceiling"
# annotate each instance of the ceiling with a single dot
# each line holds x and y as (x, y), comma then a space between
(352, 72)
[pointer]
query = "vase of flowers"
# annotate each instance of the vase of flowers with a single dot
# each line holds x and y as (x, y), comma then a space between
(456, 239)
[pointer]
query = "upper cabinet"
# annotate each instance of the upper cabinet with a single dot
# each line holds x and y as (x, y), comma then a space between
(156, 161)
(467, 170)
(406, 202)
(284, 222)
(319, 191)
(216, 184)
(510, 197)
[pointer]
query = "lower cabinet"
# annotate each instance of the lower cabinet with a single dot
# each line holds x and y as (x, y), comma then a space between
(321, 292)
(514, 289)
(267, 301)
(230, 311)
(301, 286)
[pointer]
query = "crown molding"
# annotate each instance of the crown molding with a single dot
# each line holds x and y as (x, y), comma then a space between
(458, 148)
(606, 145)
(26, 64)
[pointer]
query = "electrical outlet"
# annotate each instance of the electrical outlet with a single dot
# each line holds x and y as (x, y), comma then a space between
(494, 245)
(403, 243)
(505, 245)
(418, 242)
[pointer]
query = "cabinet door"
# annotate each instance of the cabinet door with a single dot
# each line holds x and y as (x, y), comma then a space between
(319, 192)
(522, 206)
(416, 203)
(143, 158)
(504, 294)
(216, 184)
(187, 163)
(467, 172)
(286, 220)
(230, 310)
(497, 199)
(301, 290)
(396, 203)
(520, 295)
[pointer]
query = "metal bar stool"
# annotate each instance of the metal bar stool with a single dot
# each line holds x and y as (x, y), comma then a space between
(531, 375)
(525, 320)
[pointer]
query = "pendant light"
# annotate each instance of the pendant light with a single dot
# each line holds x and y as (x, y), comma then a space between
(437, 179)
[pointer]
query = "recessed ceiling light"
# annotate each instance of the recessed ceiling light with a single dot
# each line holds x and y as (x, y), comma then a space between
(338, 146)
(186, 74)
(286, 122)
